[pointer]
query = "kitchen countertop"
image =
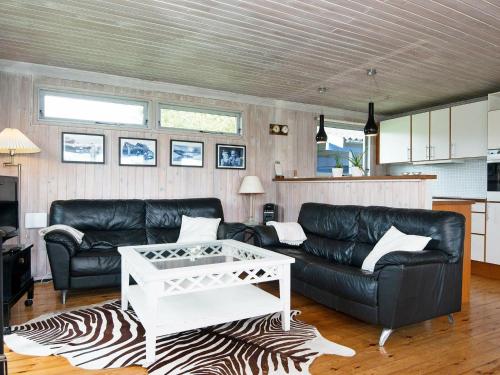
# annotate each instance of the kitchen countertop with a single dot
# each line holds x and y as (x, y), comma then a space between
(361, 178)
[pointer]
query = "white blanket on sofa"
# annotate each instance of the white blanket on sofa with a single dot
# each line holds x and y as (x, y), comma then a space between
(75, 233)
(289, 233)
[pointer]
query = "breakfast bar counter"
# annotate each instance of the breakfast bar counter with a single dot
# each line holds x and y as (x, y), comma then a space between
(407, 191)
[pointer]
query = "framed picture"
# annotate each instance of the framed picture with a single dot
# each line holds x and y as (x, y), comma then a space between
(137, 152)
(82, 148)
(230, 157)
(186, 153)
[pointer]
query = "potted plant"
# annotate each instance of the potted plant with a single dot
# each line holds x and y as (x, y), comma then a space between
(357, 165)
(339, 168)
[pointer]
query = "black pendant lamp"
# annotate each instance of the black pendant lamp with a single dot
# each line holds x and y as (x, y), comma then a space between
(321, 137)
(371, 127)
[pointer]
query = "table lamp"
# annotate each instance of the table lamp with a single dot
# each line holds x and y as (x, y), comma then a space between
(251, 185)
(12, 142)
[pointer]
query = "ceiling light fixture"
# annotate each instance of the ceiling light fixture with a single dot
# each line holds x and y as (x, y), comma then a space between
(321, 136)
(371, 127)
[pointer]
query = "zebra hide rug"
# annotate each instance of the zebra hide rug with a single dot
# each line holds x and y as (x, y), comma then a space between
(102, 336)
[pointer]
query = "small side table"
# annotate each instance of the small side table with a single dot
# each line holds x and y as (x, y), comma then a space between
(17, 279)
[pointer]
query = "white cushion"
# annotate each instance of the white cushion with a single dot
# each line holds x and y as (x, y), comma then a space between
(393, 240)
(198, 229)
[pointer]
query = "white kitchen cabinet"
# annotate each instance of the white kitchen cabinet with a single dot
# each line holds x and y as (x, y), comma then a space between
(469, 127)
(477, 247)
(420, 137)
(494, 129)
(394, 140)
(493, 233)
(439, 147)
(478, 222)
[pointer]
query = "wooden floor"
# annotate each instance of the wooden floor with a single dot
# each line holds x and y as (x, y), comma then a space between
(470, 346)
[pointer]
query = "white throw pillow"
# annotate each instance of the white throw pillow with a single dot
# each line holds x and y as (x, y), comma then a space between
(393, 240)
(198, 229)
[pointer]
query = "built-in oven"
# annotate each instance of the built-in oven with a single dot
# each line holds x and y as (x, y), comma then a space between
(493, 175)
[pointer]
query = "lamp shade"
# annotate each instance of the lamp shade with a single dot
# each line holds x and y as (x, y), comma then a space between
(251, 185)
(14, 141)
(371, 127)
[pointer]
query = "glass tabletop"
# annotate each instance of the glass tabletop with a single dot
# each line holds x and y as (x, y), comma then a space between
(189, 255)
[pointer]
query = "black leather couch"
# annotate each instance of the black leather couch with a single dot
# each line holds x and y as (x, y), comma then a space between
(108, 224)
(405, 288)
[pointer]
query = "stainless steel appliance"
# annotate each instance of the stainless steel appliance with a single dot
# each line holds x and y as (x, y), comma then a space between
(493, 160)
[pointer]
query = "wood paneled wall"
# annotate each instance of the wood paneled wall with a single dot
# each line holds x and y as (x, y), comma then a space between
(47, 179)
(390, 193)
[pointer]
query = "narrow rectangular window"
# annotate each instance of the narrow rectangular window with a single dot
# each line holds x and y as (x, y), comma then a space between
(78, 108)
(199, 119)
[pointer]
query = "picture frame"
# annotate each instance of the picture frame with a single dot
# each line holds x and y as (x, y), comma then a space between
(83, 148)
(230, 156)
(137, 152)
(186, 153)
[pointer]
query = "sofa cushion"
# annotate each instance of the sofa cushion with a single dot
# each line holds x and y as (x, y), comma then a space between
(441, 226)
(335, 222)
(99, 214)
(345, 281)
(167, 213)
(161, 235)
(106, 239)
(332, 250)
(96, 262)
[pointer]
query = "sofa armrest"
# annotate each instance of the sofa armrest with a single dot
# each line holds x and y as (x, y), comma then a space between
(61, 247)
(265, 236)
(231, 231)
(411, 258)
(64, 239)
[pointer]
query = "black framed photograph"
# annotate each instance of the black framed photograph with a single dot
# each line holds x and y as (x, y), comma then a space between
(137, 152)
(82, 148)
(186, 153)
(230, 156)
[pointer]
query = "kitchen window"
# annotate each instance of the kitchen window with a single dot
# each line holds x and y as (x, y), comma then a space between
(199, 119)
(344, 142)
(69, 107)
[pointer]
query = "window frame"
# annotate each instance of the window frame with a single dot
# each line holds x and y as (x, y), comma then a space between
(348, 126)
(199, 109)
(42, 92)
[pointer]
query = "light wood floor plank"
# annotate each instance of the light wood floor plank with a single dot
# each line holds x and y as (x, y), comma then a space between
(469, 346)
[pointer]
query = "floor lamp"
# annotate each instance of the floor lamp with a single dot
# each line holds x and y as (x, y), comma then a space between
(251, 185)
(12, 142)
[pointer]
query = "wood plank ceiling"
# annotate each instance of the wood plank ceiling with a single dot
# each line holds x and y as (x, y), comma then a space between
(426, 52)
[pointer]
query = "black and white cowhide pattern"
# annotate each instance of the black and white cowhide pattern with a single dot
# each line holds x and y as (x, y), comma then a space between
(103, 336)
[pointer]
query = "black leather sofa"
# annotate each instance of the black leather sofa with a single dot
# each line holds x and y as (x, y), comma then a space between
(405, 288)
(108, 224)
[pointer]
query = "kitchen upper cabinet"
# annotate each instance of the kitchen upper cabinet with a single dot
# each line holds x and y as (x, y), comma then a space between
(420, 137)
(494, 129)
(493, 233)
(394, 140)
(439, 147)
(469, 124)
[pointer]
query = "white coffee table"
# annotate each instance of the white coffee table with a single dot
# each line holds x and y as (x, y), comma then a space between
(189, 286)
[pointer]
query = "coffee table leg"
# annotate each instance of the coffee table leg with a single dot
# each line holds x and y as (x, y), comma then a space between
(125, 281)
(285, 297)
(150, 324)
(150, 346)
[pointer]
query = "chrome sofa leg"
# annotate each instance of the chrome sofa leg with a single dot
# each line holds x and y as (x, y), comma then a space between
(386, 332)
(451, 320)
(63, 296)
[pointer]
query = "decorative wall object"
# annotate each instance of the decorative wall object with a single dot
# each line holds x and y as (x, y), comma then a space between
(277, 129)
(230, 157)
(186, 153)
(137, 152)
(82, 148)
